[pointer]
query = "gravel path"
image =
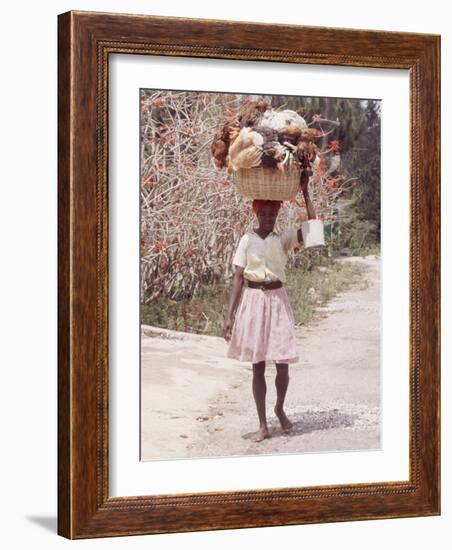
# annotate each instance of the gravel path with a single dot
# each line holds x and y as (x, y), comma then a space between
(198, 403)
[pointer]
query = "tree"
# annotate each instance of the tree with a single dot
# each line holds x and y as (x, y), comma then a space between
(364, 161)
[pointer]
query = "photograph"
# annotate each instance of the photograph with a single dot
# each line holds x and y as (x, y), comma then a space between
(260, 260)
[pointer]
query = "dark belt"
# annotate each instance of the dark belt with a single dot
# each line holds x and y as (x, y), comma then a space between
(264, 285)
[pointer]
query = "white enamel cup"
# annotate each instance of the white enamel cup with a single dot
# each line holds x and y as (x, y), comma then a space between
(313, 233)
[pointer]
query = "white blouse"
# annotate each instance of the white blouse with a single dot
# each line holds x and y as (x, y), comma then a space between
(265, 259)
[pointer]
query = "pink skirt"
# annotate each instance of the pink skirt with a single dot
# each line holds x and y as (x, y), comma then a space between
(264, 327)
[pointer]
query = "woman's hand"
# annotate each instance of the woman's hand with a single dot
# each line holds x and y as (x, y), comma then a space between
(227, 329)
(234, 296)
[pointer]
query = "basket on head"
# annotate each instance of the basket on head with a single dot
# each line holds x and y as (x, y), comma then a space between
(267, 183)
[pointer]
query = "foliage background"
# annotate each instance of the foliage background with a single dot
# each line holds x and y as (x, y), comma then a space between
(191, 215)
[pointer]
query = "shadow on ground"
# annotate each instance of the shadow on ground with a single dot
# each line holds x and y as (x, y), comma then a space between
(49, 523)
(311, 421)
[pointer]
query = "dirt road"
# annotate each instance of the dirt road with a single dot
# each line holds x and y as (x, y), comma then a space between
(198, 403)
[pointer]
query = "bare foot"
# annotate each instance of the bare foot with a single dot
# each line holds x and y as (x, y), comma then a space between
(286, 424)
(261, 434)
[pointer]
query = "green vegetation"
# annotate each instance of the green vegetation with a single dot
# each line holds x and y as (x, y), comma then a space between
(202, 314)
(315, 287)
(359, 225)
(205, 313)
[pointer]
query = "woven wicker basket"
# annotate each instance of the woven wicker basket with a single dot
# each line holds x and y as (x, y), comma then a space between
(267, 183)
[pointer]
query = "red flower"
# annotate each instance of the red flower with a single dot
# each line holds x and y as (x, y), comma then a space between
(160, 246)
(332, 183)
(158, 102)
(334, 145)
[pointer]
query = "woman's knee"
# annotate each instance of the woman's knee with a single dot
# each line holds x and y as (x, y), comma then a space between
(282, 368)
(259, 368)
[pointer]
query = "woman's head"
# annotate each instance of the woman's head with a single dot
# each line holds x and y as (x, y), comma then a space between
(266, 212)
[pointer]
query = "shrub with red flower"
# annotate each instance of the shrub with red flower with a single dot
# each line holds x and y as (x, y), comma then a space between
(334, 145)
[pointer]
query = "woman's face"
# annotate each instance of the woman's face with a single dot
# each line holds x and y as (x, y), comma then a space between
(267, 217)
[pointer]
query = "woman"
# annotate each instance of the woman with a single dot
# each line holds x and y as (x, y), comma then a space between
(263, 329)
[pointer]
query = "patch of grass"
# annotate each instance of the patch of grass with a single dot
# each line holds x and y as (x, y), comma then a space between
(310, 289)
(205, 313)
(202, 314)
(370, 249)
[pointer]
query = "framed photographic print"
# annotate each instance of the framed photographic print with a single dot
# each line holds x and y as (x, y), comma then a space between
(248, 274)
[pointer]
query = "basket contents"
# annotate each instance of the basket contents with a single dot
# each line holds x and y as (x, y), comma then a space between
(277, 141)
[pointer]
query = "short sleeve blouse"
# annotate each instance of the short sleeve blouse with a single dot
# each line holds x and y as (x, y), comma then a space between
(265, 259)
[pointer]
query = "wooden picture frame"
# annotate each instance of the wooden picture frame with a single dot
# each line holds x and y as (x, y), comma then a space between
(85, 41)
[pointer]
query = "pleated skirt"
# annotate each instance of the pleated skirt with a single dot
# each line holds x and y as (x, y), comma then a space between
(264, 327)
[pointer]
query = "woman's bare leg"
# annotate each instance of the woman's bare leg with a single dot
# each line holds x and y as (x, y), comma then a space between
(259, 393)
(281, 383)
